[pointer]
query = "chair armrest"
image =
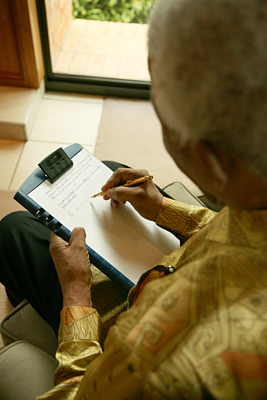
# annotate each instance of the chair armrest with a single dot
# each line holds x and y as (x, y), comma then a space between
(26, 371)
(180, 193)
(24, 323)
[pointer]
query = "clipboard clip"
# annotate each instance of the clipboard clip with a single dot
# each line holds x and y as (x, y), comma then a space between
(56, 164)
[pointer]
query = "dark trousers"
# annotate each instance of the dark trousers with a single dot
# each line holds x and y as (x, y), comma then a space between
(26, 267)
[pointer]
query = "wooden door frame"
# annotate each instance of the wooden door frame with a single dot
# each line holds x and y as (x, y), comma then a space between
(21, 61)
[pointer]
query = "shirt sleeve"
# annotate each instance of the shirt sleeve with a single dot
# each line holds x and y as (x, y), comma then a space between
(79, 337)
(183, 219)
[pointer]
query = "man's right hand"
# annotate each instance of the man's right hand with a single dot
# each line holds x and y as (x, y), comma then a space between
(145, 198)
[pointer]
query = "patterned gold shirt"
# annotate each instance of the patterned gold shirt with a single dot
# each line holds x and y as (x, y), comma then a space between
(197, 333)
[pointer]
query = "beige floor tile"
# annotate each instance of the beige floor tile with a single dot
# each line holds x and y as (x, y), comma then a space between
(79, 63)
(95, 64)
(117, 49)
(63, 62)
(127, 68)
(71, 42)
(91, 149)
(32, 154)
(100, 46)
(68, 121)
(10, 151)
(121, 30)
(106, 29)
(130, 133)
(15, 103)
(86, 44)
(79, 26)
(74, 97)
(93, 27)
(111, 66)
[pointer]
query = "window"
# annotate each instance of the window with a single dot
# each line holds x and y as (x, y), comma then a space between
(95, 56)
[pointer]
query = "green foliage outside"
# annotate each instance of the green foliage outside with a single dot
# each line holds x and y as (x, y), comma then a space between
(113, 10)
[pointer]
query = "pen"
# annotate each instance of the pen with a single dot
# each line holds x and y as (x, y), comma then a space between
(128, 183)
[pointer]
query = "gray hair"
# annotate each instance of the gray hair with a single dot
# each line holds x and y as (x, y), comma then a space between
(208, 62)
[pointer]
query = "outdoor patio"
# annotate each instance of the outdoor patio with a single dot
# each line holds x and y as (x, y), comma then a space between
(103, 49)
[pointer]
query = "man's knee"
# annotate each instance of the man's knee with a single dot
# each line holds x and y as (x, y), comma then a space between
(13, 222)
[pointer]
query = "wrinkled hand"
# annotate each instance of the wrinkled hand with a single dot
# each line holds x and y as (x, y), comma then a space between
(145, 198)
(73, 268)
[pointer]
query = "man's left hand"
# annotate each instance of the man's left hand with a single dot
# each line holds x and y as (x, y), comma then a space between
(73, 268)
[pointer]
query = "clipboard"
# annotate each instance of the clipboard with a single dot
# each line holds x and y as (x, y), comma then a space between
(53, 222)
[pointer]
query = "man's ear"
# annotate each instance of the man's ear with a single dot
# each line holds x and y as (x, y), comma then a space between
(209, 165)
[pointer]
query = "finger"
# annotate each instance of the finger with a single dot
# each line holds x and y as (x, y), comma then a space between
(78, 236)
(114, 180)
(122, 175)
(123, 194)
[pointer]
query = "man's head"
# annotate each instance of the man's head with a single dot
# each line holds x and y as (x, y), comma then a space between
(208, 64)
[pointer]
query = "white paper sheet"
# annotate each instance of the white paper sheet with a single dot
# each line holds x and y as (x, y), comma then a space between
(121, 236)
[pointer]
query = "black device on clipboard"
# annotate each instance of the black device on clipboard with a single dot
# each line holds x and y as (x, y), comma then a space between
(56, 164)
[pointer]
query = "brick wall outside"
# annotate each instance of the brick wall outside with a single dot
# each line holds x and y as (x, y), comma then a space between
(59, 17)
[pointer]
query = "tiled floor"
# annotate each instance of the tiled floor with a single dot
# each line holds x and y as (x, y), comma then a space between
(104, 49)
(61, 120)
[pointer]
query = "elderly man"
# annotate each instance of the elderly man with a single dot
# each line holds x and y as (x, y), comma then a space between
(199, 332)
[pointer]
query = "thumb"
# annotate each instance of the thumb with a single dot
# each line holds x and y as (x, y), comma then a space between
(78, 236)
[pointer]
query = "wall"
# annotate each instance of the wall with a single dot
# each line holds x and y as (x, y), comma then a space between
(59, 17)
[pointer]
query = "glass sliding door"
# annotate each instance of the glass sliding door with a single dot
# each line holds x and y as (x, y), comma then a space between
(98, 45)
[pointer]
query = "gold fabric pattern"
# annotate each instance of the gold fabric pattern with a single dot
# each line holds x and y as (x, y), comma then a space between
(87, 329)
(183, 219)
(79, 336)
(200, 332)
